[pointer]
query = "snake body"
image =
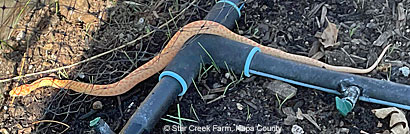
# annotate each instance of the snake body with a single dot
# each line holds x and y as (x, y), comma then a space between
(160, 61)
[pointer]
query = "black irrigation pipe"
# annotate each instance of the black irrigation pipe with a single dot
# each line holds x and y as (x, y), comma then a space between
(178, 75)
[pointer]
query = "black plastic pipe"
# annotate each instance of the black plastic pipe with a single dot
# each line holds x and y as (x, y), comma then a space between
(156, 104)
(222, 50)
(147, 115)
(373, 88)
(185, 66)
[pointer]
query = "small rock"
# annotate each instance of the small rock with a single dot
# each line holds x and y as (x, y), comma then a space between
(263, 28)
(140, 21)
(81, 75)
(227, 75)
(264, 7)
(121, 36)
(224, 81)
(239, 106)
(299, 114)
(97, 105)
(379, 124)
(240, 32)
(297, 130)
(6, 116)
(252, 78)
(20, 36)
(344, 130)
(355, 41)
(341, 124)
(405, 71)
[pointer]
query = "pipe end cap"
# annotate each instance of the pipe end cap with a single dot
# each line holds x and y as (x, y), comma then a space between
(343, 106)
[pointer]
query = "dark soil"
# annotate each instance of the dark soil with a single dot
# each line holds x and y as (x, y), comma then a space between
(57, 39)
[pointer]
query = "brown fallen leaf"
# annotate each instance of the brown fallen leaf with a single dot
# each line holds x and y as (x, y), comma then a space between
(398, 120)
(329, 35)
(311, 120)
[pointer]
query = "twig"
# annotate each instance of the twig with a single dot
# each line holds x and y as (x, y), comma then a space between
(101, 54)
(68, 127)
(348, 55)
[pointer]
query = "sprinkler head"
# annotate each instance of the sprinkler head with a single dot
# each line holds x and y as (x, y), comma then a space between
(350, 95)
(343, 106)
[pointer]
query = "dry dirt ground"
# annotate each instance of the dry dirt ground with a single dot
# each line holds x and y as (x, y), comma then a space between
(53, 35)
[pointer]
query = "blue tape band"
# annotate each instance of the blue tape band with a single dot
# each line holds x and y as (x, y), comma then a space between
(362, 98)
(178, 78)
(249, 60)
(295, 82)
(232, 4)
(240, 8)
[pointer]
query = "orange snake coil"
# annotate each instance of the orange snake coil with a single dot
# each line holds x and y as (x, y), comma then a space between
(171, 49)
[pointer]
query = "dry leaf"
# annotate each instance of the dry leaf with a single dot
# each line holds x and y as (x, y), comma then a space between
(310, 119)
(329, 35)
(398, 120)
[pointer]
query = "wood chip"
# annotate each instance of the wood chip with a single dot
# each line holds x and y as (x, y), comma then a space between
(155, 14)
(288, 111)
(383, 38)
(314, 10)
(282, 89)
(217, 90)
(209, 96)
(299, 114)
(401, 12)
(323, 16)
(314, 49)
(318, 55)
(251, 104)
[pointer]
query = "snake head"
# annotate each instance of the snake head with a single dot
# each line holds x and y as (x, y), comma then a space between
(22, 90)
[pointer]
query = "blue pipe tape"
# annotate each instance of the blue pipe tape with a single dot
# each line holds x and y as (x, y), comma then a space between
(240, 8)
(249, 60)
(232, 4)
(178, 78)
(295, 82)
(362, 98)
(372, 100)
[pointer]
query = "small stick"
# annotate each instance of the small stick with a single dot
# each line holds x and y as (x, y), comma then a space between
(52, 121)
(101, 54)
